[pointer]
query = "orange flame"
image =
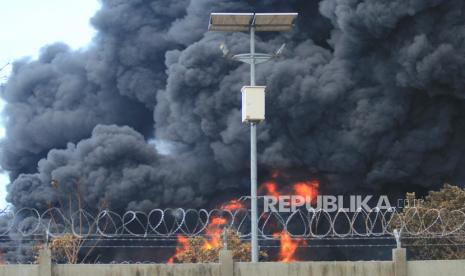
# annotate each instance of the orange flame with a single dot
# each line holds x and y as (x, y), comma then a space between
(307, 189)
(233, 205)
(214, 231)
(182, 247)
(288, 247)
(271, 188)
(213, 240)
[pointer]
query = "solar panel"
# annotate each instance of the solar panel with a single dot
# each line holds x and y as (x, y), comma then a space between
(230, 22)
(241, 22)
(274, 21)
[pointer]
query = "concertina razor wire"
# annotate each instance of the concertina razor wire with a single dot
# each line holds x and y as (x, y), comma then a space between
(302, 223)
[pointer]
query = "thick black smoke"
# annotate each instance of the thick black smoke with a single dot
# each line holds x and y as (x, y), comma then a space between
(369, 96)
(119, 164)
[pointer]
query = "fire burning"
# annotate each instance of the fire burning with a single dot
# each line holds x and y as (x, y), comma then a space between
(214, 230)
(233, 205)
(213, 234)
(271, 188)
(181, 247)
(288, 247)
(208, 245)
(307, 189)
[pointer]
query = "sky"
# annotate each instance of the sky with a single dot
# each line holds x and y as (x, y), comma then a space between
(28, 25)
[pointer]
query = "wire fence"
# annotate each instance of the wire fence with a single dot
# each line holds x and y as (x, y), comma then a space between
(166, 224)
(99, 235)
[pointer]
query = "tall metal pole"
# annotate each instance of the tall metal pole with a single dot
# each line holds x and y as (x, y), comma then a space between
(253, 158)
(252, 54)
(227, 22)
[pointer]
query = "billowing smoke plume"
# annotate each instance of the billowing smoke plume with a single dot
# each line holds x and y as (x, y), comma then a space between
(369, 96)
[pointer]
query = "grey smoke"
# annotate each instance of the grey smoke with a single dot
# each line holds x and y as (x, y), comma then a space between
(369, 95)
(115, 162)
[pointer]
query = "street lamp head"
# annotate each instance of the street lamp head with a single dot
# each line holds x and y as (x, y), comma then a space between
(225, 50)
(280, 50)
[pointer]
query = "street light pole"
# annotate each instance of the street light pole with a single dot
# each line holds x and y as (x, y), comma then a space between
(253, 159)
(240, 22)
(252, 53)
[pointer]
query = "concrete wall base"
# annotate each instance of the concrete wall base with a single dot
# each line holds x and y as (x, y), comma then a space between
(399, 257)
(226, 267)
(226, 263)
(45, 262)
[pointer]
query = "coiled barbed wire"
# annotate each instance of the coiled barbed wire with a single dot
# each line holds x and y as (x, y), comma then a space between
(168, 223)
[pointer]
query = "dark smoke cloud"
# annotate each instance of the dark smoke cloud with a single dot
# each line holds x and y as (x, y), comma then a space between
(381, 107)
(55, 100)
(369, 96)
(115, 168)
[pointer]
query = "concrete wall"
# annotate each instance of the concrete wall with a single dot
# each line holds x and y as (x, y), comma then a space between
(316, 268)
(19, 270)
(436, 268)
(137, 270)
(398, 267)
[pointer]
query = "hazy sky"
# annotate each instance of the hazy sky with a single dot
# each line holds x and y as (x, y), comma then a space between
(27, 25)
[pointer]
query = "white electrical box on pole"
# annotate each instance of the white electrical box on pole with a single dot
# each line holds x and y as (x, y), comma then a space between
(253, 104)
